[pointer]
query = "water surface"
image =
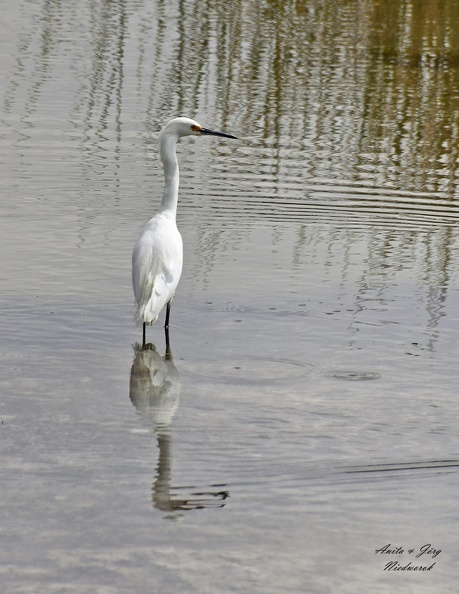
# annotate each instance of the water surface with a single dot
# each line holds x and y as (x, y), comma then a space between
(307, 413)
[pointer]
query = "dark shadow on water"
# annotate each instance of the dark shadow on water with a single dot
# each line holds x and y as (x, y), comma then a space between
(154, 390)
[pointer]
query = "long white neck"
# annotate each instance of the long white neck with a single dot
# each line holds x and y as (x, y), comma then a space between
(167, 145)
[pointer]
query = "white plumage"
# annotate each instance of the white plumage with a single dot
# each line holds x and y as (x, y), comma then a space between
(158, 254)
(156, 266)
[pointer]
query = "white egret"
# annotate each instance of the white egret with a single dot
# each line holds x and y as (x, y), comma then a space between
(158, 254)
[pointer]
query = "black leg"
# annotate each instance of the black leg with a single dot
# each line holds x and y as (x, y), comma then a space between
(168, 311)
(143, 334)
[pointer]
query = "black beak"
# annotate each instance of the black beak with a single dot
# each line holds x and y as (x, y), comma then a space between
(213, 133)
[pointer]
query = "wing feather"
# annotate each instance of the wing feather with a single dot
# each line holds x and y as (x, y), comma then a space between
(156, 267)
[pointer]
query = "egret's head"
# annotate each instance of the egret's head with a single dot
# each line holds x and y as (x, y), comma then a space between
(179, 127)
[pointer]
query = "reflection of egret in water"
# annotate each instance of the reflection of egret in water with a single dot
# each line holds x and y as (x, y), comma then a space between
(155, 392)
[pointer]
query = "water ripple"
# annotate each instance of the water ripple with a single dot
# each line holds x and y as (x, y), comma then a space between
(257, 370)
(298, 202)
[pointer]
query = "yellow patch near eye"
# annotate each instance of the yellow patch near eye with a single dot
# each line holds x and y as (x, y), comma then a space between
(196, 128)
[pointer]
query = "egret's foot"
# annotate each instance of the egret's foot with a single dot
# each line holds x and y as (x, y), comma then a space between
(148, 347)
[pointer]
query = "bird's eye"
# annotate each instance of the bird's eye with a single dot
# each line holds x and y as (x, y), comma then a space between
(196, 128)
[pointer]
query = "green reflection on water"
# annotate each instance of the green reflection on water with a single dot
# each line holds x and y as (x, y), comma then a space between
(370, 86)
